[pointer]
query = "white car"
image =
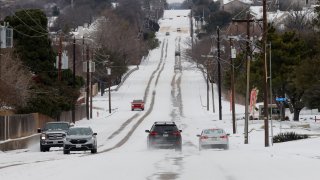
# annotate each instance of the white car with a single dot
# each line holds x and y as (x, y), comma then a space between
(213, 138)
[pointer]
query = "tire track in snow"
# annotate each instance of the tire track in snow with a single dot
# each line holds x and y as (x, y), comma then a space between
(165, 172)
(126, 123)
(135, 126)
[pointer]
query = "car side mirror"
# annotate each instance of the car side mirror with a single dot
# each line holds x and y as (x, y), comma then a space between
(198, 135)
(147, 131)
(39, 130)
(94, 134)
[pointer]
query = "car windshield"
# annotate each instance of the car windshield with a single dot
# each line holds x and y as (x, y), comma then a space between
(57, 126)
(137, 101)
(79, 131)
(165, 128)
(213, 132)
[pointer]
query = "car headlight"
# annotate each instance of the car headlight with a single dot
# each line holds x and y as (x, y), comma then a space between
(90, 139)
(43, 136)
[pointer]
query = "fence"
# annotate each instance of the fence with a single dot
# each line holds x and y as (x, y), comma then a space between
(22, 125)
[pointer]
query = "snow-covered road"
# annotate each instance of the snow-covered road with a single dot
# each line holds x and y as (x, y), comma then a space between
(171, 94)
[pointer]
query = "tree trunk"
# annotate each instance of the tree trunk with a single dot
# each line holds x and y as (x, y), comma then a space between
(296, 113)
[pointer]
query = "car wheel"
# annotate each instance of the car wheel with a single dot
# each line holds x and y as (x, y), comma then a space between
(66, 152)
(226, 147)
(178, 148)
(42, 149)
(93, 151)
(148, 145)
(132, 109)
(142, 109)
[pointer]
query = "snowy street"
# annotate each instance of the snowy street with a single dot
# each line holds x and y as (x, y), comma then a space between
(174, 90)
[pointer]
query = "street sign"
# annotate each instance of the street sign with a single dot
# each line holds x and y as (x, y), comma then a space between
(279, 99)
(6, 37)
(91, 66)
(233, 53)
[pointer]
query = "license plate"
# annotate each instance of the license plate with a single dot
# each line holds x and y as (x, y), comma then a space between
(78, 145)
(165, 135)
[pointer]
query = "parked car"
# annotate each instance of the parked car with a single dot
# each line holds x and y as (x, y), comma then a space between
(137, 104)
(80, 139)
(213, 138)
(52, 135)
(164, 135)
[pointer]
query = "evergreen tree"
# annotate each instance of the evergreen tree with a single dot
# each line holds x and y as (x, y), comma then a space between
(32, 44)
(288, 53)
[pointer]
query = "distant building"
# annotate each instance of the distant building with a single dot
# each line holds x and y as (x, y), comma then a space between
(234, 5)
(303, 3)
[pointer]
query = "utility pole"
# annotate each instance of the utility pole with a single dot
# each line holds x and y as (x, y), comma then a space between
(60, 57)
(248, 52)
(208, 64)
(265, 71)
(109, 74)
(91, 87)
(232, 56)
(191, 32)
(0, 58)
(91, 84)
(248, 60)
(110, 95)
(270, 84)
(88, 85)
(74, 77)
(208, 107)
(219, 73)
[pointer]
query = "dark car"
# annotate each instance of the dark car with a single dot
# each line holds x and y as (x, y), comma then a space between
(164, 135)
(80, 139)
(52, 134)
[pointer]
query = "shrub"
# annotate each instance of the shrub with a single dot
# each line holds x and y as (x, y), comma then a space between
(288, 136)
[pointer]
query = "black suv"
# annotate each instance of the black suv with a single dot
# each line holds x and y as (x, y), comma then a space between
(164, 135)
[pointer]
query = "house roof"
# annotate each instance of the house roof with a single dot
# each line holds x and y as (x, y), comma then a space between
(244, 1)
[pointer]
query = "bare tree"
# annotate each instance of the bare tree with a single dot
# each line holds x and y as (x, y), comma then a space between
(15, 82)
(300, 21)
(118, 35)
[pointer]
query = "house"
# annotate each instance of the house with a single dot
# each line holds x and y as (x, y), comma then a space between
(232, 6)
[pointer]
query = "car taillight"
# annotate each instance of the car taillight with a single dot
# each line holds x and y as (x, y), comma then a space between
(204, 137)
(224, 137)
(177, 133)
(153, 133)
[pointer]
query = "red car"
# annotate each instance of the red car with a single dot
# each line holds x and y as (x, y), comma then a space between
(137, 104)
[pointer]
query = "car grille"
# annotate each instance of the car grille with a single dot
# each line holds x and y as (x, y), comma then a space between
(78, 141)
(55, 136)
